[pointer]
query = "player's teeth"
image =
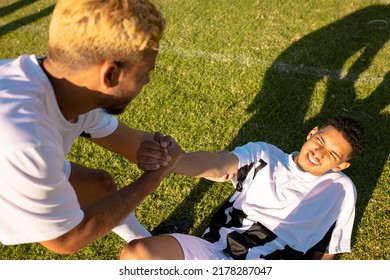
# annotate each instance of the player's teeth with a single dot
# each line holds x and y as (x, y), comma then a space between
(312, 160)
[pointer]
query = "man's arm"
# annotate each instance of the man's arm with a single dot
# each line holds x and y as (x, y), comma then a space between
(103, 215)
(207, 164)
(126, 142)
(204, 164)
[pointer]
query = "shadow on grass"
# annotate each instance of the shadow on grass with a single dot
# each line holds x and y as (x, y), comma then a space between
(280, 116)
(16, 24)
(14, 7)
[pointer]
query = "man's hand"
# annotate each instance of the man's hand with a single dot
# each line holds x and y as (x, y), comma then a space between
(174, 152)
(153, 154)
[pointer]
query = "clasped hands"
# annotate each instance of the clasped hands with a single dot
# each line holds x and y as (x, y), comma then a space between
(161, 151)
(164, 152)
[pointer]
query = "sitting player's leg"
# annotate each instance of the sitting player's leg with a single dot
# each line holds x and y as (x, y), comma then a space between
(175, 246)
(161, 247)
(91, 185)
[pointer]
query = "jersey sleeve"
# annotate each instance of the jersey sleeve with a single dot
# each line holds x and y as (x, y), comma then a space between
(323, 245)
(338, 238)
(249, 153)
(99, 124)
(340, 241)
(37, 201)
(249, 156)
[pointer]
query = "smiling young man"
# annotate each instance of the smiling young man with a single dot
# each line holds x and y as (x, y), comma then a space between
(286, 206)
(325, 149)
(99, 57)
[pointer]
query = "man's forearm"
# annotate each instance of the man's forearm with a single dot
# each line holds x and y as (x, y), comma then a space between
(207, 164)
(124, 141)
(103, 215)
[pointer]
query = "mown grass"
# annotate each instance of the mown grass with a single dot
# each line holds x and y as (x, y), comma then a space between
(230, 72)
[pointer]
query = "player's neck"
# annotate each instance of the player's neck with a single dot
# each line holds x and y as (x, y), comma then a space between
(73, 99)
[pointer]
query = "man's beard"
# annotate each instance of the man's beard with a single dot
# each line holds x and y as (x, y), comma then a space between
(115, 105)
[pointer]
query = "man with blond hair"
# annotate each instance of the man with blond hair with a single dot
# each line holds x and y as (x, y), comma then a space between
(99, 57)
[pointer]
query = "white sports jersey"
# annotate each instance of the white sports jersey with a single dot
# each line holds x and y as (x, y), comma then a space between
(37, 203)
(279, 211)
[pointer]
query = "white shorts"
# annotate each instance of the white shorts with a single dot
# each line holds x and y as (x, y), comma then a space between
(195, 248)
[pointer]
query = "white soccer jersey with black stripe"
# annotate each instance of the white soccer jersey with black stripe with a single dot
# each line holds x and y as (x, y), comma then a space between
(279, 211)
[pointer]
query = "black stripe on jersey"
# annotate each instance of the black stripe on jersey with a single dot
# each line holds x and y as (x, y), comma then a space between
(238, 244)
(287, 253)
(242, 173)
(86, 135)
(261, 166)
(217, 222)
(220, 220)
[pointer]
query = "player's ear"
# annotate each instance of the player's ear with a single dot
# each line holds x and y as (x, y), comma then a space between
(341, 166)
(312, 132)
(109, 73)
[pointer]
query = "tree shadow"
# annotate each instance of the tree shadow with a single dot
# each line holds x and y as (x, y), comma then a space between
(280, 109)
(16, 24)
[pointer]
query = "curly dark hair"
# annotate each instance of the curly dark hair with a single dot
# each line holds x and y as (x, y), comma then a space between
(351, 130)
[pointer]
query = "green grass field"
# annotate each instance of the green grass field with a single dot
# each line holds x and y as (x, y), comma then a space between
(231, 72)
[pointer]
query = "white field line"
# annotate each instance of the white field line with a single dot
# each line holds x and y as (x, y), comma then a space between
(332, 74)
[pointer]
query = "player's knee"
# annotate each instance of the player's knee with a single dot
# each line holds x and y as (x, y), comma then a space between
(106, 182)
(135, 250)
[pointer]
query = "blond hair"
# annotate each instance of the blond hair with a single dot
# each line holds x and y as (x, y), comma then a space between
(85, 32)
